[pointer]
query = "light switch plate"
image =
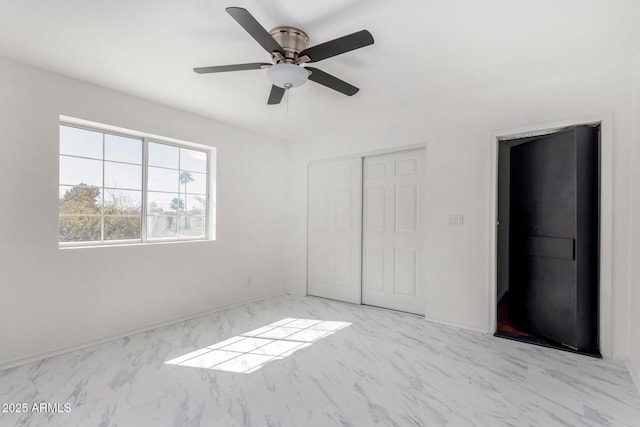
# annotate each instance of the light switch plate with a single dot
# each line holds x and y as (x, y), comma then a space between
(455, 220)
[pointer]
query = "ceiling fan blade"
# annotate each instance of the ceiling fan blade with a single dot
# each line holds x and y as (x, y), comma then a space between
(338, 46)
(234, 67)
(253, 27)
(331, 82)
(276, 95)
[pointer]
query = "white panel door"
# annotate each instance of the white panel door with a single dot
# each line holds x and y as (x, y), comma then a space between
(393, 273)
(335, 230)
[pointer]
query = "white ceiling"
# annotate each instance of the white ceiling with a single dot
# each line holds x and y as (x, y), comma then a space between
(424, 51)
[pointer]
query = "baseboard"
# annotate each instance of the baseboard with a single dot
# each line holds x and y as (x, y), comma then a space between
(457, 325)
(440, 322)
(85, 344)
(298, 294)
(635, 375)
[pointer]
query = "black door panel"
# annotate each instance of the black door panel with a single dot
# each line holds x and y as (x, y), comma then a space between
(553, 237)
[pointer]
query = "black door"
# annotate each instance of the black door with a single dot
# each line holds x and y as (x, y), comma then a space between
(553, 237)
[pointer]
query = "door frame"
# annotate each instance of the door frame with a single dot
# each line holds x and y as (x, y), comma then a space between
(605, 322)
(358, 155)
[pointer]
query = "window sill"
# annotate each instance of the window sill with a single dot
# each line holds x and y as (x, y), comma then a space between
(136, 244)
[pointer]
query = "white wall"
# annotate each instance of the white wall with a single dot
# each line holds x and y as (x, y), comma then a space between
(457, 129)
(52, 299)
(634, 297)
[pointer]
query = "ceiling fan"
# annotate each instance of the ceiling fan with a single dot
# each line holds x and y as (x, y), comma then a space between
(288, 49)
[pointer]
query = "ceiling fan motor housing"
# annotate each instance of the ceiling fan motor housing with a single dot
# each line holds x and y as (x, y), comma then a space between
(293, 41)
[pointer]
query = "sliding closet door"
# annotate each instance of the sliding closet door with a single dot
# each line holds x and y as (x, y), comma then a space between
(335, 230)
(393, 234)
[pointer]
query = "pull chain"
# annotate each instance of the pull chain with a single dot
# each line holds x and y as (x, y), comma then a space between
(287, 93)
(287, 87)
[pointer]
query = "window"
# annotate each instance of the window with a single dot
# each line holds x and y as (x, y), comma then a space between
(118, 188)
(176, 192)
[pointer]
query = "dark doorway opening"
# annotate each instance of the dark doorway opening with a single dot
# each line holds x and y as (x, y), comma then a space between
(548, 239)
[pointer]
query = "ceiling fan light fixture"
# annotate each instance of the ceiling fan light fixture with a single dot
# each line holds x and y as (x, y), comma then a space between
(287, 75)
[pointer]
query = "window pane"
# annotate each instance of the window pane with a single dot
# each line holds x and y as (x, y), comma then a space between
(74, 171)
(79, 200)
(163, 179)
(79, 228)
(163, 155)
(122, 227)
(164, 203)
(162, 227)
(122, 149)
(120, 175)
(193, 183)
(195, 205)
(192, 160)
(122, 202)
(80, 142)
(191, 226)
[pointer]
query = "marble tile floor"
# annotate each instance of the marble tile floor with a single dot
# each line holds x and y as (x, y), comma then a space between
(272, 363)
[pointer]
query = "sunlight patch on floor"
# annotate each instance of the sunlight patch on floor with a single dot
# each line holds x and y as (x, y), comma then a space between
(250, 351)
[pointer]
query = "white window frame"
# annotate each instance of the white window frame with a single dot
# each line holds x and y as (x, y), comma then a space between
(209, 224)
